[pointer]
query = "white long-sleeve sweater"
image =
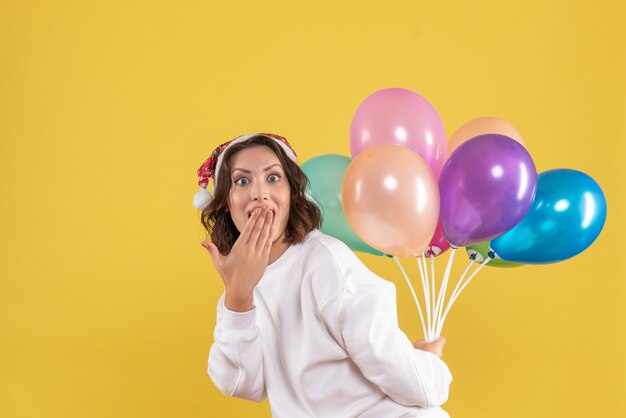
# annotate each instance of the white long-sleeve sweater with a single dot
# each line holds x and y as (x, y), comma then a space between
(323, 341)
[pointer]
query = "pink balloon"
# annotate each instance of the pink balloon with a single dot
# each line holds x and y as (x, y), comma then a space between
(391, 200)
(402, 117)
(438, 243)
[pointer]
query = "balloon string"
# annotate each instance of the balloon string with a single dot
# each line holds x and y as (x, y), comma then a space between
(419, 308)
(455, 296)
(442, 291)
(455, 290)
(458, 284)
(426, 296)
(432, 293)
(425, 267)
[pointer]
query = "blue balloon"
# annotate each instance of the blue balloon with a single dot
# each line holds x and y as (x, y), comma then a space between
(566, 217)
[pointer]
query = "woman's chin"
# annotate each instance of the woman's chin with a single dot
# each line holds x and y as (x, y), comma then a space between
(277, 240)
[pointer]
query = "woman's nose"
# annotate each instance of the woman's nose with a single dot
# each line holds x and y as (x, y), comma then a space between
(260, 191)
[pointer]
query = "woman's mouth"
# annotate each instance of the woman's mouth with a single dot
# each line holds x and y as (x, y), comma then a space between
(251, 211)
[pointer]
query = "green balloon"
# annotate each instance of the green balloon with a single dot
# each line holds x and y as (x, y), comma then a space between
(481, 251)
(325, 174)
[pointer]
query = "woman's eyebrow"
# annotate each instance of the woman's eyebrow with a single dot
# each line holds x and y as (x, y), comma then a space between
(269, 167)
(241, 169)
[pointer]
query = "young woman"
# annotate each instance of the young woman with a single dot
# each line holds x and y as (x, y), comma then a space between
(301, 320)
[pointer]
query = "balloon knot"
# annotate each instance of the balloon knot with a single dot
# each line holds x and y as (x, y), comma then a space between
(492, 254)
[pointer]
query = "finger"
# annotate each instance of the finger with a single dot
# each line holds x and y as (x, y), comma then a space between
(216, 257)
(265, 232)
(267, 249)
(268, 244)
(256, 230)
(440, 343)
(420, 344)
(245, 234)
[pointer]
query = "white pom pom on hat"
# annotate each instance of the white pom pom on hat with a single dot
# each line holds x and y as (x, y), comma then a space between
(202, 198)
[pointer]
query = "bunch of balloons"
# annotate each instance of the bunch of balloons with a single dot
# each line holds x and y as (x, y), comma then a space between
(409, 192)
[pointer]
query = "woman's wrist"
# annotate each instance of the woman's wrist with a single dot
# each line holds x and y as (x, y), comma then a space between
(238, 301)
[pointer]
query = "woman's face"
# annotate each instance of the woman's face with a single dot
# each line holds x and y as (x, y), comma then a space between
(258, 180)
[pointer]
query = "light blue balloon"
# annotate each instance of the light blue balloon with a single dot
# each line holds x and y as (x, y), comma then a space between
(325, 174)
(567, 215)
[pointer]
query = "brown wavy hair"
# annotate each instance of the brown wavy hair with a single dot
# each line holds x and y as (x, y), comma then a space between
(304, 215)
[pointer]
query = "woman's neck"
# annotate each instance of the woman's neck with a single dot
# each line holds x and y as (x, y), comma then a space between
(278, 248)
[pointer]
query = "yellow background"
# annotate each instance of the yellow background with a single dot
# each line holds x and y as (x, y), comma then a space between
(107, 300)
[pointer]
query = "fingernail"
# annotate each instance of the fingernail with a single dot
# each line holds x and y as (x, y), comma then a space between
(205, 245)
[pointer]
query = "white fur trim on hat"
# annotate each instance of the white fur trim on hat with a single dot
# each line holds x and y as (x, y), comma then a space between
(242, 138)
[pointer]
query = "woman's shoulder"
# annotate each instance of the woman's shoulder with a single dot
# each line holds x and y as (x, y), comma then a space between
(326, 247)
(330, 256)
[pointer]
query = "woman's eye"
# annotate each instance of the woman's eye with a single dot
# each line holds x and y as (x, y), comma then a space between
(273, 178)
(242, 181)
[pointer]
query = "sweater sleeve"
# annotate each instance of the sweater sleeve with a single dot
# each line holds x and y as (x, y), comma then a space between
(236, 357)
(368, 324)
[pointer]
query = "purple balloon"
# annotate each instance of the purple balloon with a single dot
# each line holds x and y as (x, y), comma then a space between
(402, 117)
(487, 186)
